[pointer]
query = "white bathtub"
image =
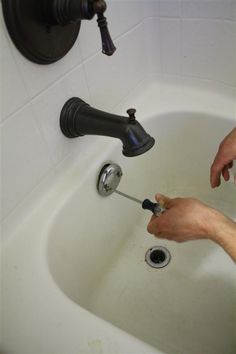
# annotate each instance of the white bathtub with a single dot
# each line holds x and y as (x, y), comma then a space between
(75, 278)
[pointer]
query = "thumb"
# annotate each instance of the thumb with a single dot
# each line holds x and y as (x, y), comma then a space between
(163, 200)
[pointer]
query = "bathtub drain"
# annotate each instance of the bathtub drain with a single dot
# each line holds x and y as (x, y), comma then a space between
(157, 257)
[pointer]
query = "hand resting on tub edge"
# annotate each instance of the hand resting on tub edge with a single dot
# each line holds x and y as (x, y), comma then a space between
(189, 219)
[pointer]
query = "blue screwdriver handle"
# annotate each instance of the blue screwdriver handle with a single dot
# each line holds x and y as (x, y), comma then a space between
(156, 208)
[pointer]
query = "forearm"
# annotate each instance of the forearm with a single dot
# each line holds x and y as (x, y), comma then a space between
(223, 232)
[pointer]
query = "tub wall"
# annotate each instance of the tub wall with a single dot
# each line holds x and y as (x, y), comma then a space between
(154, 39)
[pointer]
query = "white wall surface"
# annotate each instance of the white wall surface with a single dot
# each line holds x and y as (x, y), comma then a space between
(188, 39)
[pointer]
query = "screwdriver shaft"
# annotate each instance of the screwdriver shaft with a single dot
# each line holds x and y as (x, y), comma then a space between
(129, 197)
(156, 208)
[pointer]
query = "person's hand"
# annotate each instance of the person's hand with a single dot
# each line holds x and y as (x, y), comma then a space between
(224, 159)
(188, 219)
(185, 219)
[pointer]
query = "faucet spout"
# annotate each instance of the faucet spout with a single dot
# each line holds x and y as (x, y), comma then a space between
(78, 118)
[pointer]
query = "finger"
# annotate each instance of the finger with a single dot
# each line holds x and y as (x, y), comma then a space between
(160, 235)
(153, 226)
(163, 200)
(153, 217)
(225, 173)
(216, 169)
(230, 165)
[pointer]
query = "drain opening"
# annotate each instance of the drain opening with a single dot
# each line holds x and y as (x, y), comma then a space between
(158, 257)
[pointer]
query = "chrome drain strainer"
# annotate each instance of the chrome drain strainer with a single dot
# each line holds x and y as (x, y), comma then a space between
(157, 257)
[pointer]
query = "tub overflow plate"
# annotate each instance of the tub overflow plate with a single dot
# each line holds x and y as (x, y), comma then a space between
(109, 179)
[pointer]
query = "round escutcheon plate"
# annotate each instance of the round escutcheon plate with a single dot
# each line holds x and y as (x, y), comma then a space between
(36, 40)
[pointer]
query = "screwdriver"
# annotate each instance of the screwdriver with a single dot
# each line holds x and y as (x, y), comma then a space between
(156, 208)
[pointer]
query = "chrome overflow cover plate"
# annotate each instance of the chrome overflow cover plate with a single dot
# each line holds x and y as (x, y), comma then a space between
(109, 179)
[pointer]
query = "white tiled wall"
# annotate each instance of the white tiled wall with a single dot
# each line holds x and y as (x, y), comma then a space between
(182, 38)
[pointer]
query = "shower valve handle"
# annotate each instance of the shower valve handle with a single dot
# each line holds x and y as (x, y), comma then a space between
(64, 12)
(108, 47)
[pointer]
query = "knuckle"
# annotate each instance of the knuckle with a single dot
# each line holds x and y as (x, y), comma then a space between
(221, 146)
(149, 228)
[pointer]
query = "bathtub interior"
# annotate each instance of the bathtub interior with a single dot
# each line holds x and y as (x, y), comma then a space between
(97, 245)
